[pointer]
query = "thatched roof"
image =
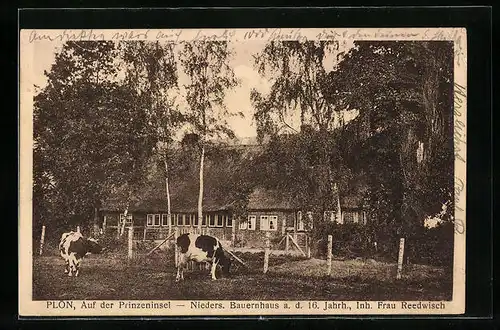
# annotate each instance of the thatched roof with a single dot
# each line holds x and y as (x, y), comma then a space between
(351, 202)
(218, 191)
(159, 204)
(262, 199)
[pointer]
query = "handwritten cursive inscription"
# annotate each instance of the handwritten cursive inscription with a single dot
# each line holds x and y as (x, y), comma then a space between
(459, 134)
(67, 35)
(131, 35)
(172, 35)
(458, 221)
(285, 34)
(226, 35)
(456, 36)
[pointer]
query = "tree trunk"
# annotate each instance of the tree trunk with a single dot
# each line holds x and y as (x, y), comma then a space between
(95, 223)
(167, 188)
(200, 196)
(125, 213)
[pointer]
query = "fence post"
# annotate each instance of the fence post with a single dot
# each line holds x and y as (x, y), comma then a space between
(78, 229)
(130, 242)
(266, 253)
(329, 255)
(104, 225)
(233, 232)
(42, 240)
(287, 243)
(169, 216)
(400, 257)
(176, 234)
(308, 244)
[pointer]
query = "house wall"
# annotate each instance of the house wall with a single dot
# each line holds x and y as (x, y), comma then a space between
(286, 222)
(256, 238)
(221, 229)
(355, 216)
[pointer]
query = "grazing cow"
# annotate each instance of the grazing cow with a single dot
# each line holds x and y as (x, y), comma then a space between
(201, 248)
(73, 247)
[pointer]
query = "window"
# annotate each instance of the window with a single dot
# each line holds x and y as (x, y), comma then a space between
(219, 220)
(174, 219)
(195, 220)
(180, 221)
(243, 225)
(205, 220)
(329, 216)
(229, 221)
(156, 220)
(153, 220)
(310, 219)
(164, 219)
(355, 217)
(252, 220)
(188, 220)
(268, 222)
(211, 220)
(128, 221)
(273, 222)
(348, 217)
(264, 220)
(300, 221)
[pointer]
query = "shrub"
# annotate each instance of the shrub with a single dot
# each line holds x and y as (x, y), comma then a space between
(425, 246)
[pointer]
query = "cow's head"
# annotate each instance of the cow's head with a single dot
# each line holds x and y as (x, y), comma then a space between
(93, 246)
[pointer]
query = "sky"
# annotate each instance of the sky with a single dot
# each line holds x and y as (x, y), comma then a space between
(237, 99)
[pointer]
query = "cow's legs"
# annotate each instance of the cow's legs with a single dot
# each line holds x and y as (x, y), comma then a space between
(66, 262)
(180, 268)
(178, 277)
(77, 267)
(72, 265)
(180, 273)
(214, 265)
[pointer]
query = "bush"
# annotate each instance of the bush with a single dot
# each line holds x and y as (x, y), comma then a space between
(433, 246)
(349, 240)
(425, 246)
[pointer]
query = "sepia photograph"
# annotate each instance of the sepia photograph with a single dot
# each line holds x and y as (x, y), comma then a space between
(245, 171)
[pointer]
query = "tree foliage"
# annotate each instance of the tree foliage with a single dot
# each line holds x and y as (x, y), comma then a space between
(88, 134)
(401, 140)
(298, 73)
(206, 65)
(403, 91)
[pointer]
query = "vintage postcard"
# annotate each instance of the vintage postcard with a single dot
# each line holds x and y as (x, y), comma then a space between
(242, 172)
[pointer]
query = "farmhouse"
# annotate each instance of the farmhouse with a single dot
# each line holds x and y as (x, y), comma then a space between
(150, 218)
(267, 212)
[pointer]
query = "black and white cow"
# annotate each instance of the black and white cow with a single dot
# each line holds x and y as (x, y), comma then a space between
(201, 248)
(73, 247)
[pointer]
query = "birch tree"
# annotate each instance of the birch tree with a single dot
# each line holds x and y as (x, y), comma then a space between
(152, 70)
(298, 72)
(207, 66)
